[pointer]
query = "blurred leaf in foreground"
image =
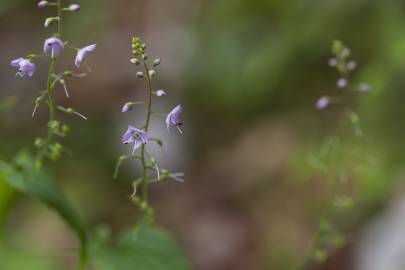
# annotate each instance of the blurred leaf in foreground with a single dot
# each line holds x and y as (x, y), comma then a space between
(22, 176)
(11, 259)
(141, 249)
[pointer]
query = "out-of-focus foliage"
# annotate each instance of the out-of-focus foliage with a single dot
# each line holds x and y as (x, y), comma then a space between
(24, 177)
(143, 248)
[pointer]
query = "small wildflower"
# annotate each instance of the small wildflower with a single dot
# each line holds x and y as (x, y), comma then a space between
(43, 4)
(342, 83)
(25, 67)
(74, 7)
(136, 136)
(156, 62)
(135, 61)
(333, 62)
(53, 46)
(81, 53)
(172, 118)
(160, 93)
(127, 107)
(322, 102)
(140, 74)
(351, 65)
(364, 87)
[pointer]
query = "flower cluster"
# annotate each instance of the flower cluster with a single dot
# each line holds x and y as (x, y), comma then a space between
(140, 137)
(332, 160)
(52, 48)
(345, 66)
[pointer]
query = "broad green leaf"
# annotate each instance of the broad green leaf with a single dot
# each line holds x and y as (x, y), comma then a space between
(12, 259)
(22, 176)
(141, 249)
(6, 194)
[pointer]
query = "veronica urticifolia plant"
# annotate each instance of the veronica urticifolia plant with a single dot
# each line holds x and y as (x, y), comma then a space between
(53, 47)
(333, 158)
(25, 174)
(139, 135)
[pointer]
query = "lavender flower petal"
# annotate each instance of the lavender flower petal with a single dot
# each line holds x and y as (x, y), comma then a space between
(53, 46)
(160, 93)
(173, 118)
(82, 53)
(322, 102)
(25, 67)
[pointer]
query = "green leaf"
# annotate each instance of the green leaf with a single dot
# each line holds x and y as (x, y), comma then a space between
(141, 249)
(6, 195)
(14, 259)
(22, 176)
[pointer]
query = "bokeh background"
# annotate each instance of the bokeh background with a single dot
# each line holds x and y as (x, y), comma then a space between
(248, 74)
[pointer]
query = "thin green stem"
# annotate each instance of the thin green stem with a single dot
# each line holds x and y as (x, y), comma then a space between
(326, 217)
(59, 4)
(146, 127)
(50, 92)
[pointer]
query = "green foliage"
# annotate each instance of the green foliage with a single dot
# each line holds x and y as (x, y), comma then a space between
(6, 193)
(11, 259)
(141, 249)
(22, 176)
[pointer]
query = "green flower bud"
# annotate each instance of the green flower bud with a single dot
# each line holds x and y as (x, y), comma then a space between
(152, 73)
(38, 142)
(135, 61)
(156, 62)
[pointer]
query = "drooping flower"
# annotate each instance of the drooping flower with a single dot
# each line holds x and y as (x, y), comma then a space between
(43, 4)
(322, 102)
(127, 107)
(172, 118)
(25, 67)
(81, 53)
(364, 87)
(136, 136)
(351, 65)
(333, 62)
(160, 93)
(53, 46)
(74, 7)
(342, 83)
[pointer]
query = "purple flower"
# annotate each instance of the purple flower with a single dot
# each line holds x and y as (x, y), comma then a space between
(160, 93)
(127, 107)
(81, 53)
(43, 4)
(322, 102)
(74, 7)
(25, 67)
(172, 118)
(136, 136)
(351, 65)
(53, 46)
(342, 83)
(333, 62)
(364, 87)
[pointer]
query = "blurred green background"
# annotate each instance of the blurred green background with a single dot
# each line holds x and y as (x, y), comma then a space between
(248, 74)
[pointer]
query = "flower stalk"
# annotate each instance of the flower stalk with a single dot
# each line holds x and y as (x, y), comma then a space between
(140, 137)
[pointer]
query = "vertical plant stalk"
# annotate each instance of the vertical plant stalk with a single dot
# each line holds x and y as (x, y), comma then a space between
(145, 179)
(326, 216)
(83, 253)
